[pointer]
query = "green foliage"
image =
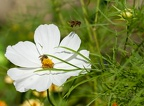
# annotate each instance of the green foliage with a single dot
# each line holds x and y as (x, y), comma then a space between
(116, 48)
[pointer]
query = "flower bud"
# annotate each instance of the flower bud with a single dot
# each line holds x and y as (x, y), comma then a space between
(127, 14)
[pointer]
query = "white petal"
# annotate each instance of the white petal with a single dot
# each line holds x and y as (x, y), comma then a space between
(35, 82)
(20, 73)
(72, 41)
(60, 79)
(26, 78)
(47, 37)
(77, 61)
(80, 62)
(23, 54)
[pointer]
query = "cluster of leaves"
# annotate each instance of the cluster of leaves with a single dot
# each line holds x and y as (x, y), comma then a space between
(125, 84)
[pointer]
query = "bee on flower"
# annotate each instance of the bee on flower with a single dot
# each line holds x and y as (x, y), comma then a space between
(48, 61)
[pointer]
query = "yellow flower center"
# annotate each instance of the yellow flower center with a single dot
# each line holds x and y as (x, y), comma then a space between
(46, 62)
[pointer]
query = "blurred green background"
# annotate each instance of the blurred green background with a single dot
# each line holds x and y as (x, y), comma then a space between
(104, 29)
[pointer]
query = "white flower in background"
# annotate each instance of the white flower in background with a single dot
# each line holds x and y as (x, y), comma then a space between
(38, 62)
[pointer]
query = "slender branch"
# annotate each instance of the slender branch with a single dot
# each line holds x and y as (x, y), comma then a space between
(86, 20)
(48, 97)
(128, 34)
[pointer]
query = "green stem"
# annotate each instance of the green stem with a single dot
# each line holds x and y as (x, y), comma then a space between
(48, 97)
(57, 11)
(97, 10)
(91, 31)
(95, 34)
(128, 34)
(85, 19)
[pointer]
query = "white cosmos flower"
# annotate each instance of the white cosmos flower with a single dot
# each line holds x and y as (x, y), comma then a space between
(36, 60)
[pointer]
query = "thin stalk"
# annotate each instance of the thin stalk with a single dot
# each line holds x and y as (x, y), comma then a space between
(95, 90)
(139, 46)
(48, 97)
(134, 3)
(85, 19)
(91, 31)
(95, 34)
(98, 49)
(57, 9)
(128, 34)
(97, 45)
(97, 10)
